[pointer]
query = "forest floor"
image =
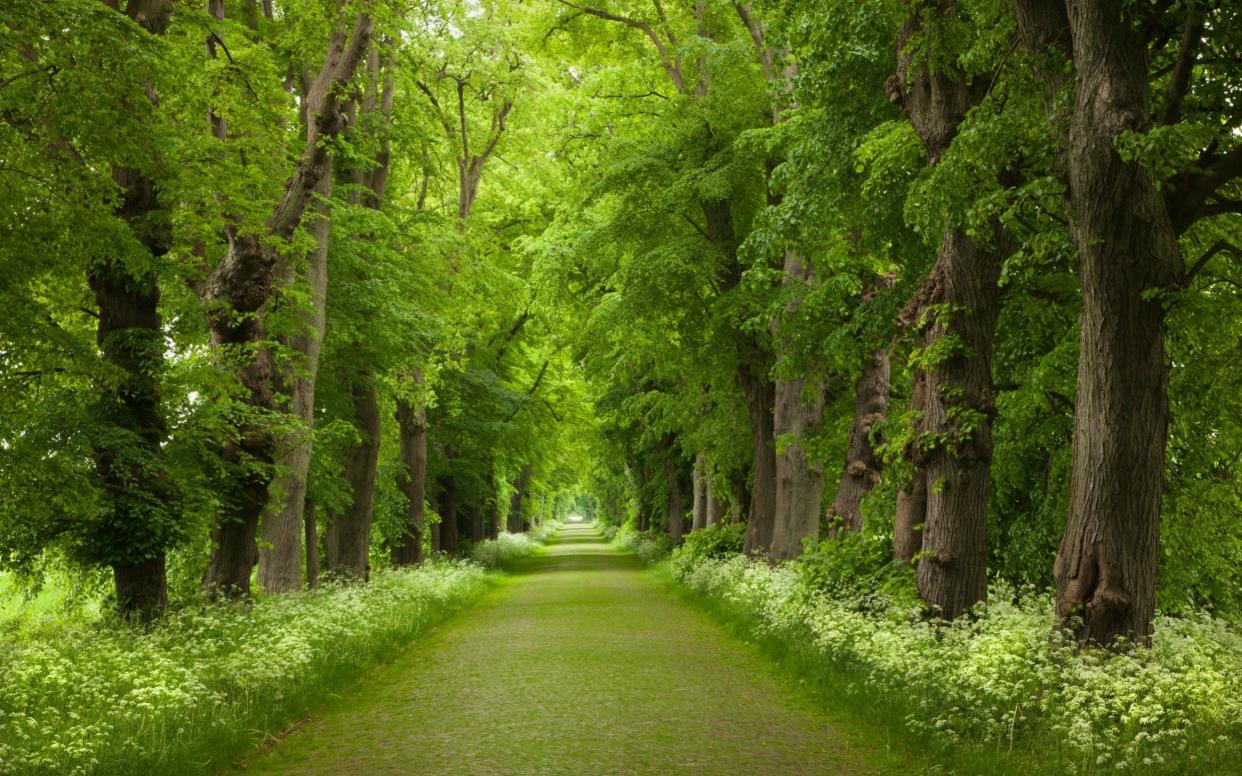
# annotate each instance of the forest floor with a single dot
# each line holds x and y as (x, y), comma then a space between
(580, 663)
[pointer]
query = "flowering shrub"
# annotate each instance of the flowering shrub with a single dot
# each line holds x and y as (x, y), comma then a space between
(111, 699)
(1008, 676)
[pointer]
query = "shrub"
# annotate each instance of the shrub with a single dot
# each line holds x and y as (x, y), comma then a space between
(715, 541)
(1006, 678)
(502, 551)
(859, 565)
(197, 686)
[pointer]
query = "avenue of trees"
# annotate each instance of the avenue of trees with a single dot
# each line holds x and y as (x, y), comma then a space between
(295, 288)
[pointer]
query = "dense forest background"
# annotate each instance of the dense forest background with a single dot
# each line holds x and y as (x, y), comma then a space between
(939, 296)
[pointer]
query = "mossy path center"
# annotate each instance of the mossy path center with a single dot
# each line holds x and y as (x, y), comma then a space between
(580, 664)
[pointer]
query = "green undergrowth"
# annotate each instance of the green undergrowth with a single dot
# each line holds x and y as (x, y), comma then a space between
(1005, 692)
(208, 681)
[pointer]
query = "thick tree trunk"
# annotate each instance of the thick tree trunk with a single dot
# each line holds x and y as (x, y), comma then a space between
(312, 544)
(862, 464)
(957, 304)
(912, 498)
(280, 552)
(412, 480)
(348, 538)
(952, 570)
(1106, 563)
(141, 501)
(699, 511)
(238, 291)
(676, 515)
(799, 405)
(798, 408)
(760, 396)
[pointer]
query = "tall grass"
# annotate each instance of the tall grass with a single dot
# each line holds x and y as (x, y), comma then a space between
(207, 681)
(1006, 681)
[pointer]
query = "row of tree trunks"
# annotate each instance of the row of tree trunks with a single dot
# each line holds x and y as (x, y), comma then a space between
(141, 500)
(798, 408)
(280, 552)
(238, 292)
(957, 303)
(862, 464)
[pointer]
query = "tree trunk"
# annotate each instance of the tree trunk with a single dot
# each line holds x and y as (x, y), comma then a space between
(1106, 564)
(798, 408)
(516, 518)
(280, 552)
(348, 538)
(760, 396)
(952, 570)
(700, 493)
(957, 305)
(312, 544)
(862, 464)
(676, 516)
(412, 480)
(912, 498)
(717, 508)
(139, 519)
(237, 293)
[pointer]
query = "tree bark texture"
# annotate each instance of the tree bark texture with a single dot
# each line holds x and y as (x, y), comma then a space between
(1105, 569)
(956, 308)
(238, 291)
(798, 408)
(348, 537)
(760, 395)
(912, 498)
(412, 429)
(862, 464)
(282, 526)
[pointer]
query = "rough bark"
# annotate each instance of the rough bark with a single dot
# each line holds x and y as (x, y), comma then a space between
(699, 510)
(348, 537)
(139, 512)
(237, 293)
(862, 464)
(957, 304)
(412, 429)
(1105, 569)
(760, 393)
(282, 526)
(797, 409)
(912, 498)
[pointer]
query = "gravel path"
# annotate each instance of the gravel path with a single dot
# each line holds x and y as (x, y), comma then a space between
(580, 664)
